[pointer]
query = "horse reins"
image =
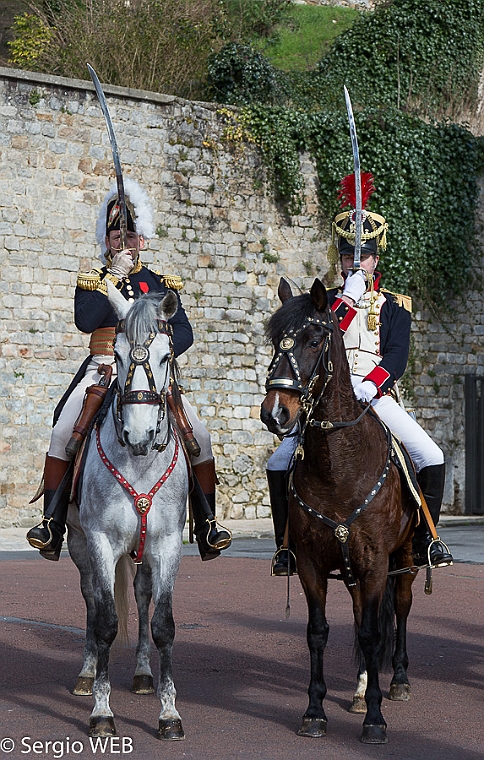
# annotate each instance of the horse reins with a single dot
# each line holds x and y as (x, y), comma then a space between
(142, 501)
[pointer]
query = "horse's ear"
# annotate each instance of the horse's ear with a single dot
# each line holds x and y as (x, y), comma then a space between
(119, 303)
(284, 290)
(319, 295)
(168, 306)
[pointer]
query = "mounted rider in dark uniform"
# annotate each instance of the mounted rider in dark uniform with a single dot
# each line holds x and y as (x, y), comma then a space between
(94, 314)
(376, 327)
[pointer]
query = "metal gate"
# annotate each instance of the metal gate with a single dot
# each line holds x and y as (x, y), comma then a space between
(474, 443)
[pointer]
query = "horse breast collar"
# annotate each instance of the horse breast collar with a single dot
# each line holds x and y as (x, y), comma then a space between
(142, 501)
(341, 530)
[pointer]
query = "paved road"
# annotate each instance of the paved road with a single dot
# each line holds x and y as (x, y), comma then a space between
(241, 667)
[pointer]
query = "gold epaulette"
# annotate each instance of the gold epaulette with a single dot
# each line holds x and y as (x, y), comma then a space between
(401, 300)
(94, 280)
(89, 280)
(172, 281)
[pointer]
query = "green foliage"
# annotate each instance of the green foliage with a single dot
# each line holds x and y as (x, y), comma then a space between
(143, 44)
(426, 177)
(407, 69)
(239, 74)
(35, 97)
(32, 37)
(248, 20)
(306, 36)
(408, 54)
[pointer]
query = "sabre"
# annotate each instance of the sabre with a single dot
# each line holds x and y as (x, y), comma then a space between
(356, 162)
(123, 225)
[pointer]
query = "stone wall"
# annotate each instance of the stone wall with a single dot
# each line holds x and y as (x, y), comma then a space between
(217, 226)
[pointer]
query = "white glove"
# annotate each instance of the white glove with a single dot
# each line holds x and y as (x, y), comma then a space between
(355, 285)
(121, 264)
(365, 391)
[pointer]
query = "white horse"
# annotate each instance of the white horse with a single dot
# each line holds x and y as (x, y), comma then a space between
(132, 503)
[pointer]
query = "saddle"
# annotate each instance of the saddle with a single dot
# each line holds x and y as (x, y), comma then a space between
(81, 453)
(403, 461)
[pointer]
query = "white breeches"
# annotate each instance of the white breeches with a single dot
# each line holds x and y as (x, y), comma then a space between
(62, 431)
(422, 449)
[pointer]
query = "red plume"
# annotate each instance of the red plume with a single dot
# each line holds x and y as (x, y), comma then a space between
(347, 191)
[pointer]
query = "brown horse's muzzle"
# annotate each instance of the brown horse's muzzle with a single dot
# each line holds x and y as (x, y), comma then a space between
(280, 411)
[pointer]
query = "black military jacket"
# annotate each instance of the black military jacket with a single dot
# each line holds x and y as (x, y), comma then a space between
(92, 309)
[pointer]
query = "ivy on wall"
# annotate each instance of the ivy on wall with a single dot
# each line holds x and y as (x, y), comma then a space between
(408, 66)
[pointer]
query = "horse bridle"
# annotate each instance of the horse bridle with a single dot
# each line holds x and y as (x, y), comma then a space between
(285, 349)
(308, 401)
(140, 357)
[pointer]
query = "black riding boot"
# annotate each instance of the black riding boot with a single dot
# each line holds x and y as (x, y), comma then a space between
(48, 535)
(211, 539)
(425, 550)
(284, 558)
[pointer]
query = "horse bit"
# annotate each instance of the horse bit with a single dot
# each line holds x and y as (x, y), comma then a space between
(140, 357)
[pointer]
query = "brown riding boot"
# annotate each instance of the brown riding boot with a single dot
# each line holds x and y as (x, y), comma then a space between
(48, 535)
(210, 539)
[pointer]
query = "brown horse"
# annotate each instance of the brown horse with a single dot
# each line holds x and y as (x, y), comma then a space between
(348, 510)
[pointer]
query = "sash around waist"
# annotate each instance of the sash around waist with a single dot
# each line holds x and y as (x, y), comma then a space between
(101, 341)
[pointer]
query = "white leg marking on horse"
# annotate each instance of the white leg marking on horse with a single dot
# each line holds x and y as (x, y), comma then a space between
(361, 684)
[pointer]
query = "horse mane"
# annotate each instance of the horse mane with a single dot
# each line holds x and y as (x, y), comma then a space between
(142, 318)
(290, 316)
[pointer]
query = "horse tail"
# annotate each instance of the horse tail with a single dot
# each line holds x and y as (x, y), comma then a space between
(122, 581)
(386, 624)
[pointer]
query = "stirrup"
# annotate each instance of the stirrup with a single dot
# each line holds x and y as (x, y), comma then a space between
(290, 567)
(37, 543)
(446, 563)
(424, 560)
(222, 542)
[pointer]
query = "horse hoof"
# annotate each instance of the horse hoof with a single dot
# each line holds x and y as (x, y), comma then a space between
(313, 727)
(399, 692)
(358, 705)
(374, 734)
(83, 687)
(143, 685)
(171, 730)
(101, 725)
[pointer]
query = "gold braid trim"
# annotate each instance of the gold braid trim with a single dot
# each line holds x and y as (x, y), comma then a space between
(172, 281)
(401, 300)
(89, 280)
(351, 236)
(94, 280)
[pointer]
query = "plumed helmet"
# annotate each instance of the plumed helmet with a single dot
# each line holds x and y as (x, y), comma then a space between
(373, 226)
(139, 213)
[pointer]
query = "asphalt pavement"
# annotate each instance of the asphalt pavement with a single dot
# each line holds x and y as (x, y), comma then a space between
(241, 666)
